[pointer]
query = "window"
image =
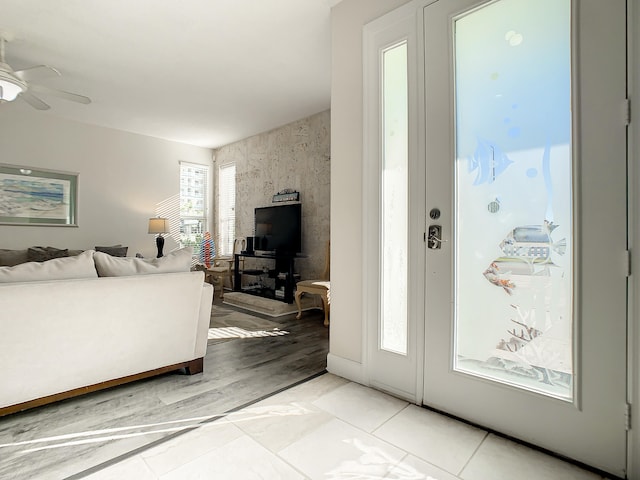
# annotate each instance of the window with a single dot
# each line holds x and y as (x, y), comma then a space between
(395, 198)
(194, 187)
(226, 208)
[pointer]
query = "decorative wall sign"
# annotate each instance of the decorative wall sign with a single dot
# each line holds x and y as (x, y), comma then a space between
(286, 196)
(33, 196)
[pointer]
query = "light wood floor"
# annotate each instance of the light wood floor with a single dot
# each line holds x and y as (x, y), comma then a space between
(71, 438)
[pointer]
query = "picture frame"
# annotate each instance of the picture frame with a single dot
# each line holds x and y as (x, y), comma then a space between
(38, 197)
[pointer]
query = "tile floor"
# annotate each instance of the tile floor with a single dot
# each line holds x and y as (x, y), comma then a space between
(329, 428)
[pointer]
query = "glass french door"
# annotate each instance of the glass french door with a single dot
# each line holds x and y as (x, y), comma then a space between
(526, 290)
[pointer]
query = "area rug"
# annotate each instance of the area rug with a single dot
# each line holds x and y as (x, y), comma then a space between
(268, 306)
(228, 324)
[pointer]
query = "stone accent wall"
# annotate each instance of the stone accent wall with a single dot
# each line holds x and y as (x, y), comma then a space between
(296, 156)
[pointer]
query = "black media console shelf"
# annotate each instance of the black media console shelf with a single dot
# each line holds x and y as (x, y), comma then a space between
(282, 274)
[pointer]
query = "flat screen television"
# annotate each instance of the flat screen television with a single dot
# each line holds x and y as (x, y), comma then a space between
(279, 228)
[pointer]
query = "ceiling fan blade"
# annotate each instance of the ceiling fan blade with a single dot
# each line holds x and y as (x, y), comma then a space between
(74, 97)
(34, 101)
(34, 73)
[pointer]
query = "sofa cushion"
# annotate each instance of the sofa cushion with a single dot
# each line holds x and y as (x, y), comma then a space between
(178, 261)
(79, 266)
(114, 250)
(9, 258)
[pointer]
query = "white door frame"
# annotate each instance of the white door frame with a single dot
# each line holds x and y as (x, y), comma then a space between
(633, 388)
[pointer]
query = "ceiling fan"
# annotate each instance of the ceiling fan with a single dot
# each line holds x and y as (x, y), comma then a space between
(17, 83)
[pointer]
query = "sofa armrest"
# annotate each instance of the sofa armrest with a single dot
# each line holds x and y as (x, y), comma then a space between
(204, 319)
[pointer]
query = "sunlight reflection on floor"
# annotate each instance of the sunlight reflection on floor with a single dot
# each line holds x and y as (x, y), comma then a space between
(106, 435)
(237, 332)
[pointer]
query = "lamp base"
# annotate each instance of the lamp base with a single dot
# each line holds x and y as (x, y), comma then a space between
(160, 244)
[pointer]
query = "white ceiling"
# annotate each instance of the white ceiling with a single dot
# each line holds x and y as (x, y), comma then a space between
(203, 72)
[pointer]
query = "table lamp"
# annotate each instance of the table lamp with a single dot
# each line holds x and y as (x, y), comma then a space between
(159, 226)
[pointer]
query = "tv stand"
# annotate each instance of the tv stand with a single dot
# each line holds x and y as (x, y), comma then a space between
(282, 274)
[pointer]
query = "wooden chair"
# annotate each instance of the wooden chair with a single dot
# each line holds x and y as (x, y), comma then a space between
(222, 267)
(320, 287)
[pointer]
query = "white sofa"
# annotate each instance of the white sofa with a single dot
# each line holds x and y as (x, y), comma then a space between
(61, 338)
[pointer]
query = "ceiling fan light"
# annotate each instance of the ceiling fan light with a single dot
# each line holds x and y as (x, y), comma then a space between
(9, 91)
(9, 88)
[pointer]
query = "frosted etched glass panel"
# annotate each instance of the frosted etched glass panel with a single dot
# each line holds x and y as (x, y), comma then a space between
(393, 335)
(513, 220)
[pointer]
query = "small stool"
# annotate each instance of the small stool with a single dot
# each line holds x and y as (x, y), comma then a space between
(315, 287)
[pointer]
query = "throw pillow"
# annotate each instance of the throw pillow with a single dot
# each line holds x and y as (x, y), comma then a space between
(79, 266)
(114, 250)
(9, 258)
(177, 261)
(57, 252)
(42, 254)
(38, 254)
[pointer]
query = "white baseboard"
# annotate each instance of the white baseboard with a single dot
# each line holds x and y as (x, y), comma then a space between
(354, 371)
(345, 368)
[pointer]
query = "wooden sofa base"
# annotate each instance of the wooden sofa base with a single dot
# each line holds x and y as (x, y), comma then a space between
(191, 368)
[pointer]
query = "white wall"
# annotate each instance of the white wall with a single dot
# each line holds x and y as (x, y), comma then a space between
(122, 176)
(347, 21)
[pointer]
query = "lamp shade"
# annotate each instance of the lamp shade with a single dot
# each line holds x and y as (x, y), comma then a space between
(158, 225)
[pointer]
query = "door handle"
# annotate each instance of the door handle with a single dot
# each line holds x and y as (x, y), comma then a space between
(434, 237)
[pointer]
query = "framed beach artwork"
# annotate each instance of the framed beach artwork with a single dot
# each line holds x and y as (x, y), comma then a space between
(34, 196)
